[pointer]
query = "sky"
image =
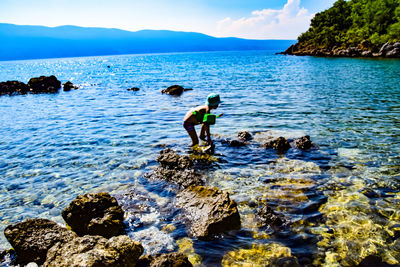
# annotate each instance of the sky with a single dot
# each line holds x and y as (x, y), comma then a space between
(250, 19)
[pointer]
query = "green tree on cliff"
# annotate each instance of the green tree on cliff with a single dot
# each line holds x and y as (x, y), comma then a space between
(350, 23)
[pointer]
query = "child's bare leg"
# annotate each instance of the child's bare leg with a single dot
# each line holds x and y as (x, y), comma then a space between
(193, 135)
(203, 132)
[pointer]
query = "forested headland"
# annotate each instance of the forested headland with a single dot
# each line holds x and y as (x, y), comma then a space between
(353, 28)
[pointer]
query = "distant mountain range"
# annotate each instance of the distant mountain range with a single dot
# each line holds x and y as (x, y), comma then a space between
(34, 42)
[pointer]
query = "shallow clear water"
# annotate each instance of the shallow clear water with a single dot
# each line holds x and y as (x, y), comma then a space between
(104, 138)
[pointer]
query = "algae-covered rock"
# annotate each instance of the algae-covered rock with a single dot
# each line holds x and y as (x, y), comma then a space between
(280, 144)
(266, 216)
(91, 251)
(209, 211)
(44, 84)
(31, 239)
(273, 254)
(174, 259)
(95, 214)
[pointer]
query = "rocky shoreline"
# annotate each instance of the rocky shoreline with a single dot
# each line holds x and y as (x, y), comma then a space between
(386, 51)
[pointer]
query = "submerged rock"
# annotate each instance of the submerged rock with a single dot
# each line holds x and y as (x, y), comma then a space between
(44, 84)
(246, 136)
(68, 86)
(173, 90)
(209, 211)
(174, 259)
(303, 142)
(13, 87)
(273, 254)
(267, 217)
(91, 251)
(31, 239)
(280, 144)
(95, 214)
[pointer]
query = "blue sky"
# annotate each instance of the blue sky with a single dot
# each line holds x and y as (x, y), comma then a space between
(252, 19)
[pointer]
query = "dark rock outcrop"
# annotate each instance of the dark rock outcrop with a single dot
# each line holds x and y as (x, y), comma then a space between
(95, 214)
(68, 86)
(173, 90)
(13, 87)
(374, 261)
(245, 136)
(280, 144)
(208, 210)
(176, 169)
(363, 50)
(173, 259)
(93, 251)
(236, 143)
(135, 89)
(44, 84)
(31, 239)
(303, 142)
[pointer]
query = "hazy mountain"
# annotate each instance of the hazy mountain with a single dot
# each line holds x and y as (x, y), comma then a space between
(32, 42)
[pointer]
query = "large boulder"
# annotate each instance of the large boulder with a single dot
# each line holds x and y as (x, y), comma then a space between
(173, 90)
(93, 251)
(280, 144)
(68, 86)
(208, 210)
(170, 159)
(31, 239)
(13, 87)
(95, 214)
(44, 84)
(174, 259)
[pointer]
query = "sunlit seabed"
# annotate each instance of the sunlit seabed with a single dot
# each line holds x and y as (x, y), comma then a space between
(341, 199)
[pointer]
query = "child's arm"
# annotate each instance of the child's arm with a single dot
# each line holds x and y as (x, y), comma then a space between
(205, 130)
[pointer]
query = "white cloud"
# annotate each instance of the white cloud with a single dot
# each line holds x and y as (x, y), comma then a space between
(286, 23)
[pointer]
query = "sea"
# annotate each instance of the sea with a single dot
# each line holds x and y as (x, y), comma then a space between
(340, 200)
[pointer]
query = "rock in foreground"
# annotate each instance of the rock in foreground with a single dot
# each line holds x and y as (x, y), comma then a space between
(31, 239)
(44, 84)
(209, 211)
(93, 251)
(303, 143)
(95, 214)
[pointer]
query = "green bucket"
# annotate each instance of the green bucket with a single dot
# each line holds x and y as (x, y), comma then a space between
(209, 119)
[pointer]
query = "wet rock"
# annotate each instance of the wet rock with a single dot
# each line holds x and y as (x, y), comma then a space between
(366, 54)
(280, 144)
(236, 143)
(267, 217)
(8, 257)
(168, 158)
(95, 214)
(303, 143)
(373, 261)
(173, 90)
(183, 178)
(176, 169)
(209, 211)
(13, 87)
(95, 251)
(31, 239)
(44, 84)
(284, 262)
(135, 89)
(68, 86)
(246, 136)
(173, 259)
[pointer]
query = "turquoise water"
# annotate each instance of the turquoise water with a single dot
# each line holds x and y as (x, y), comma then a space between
(104, 138)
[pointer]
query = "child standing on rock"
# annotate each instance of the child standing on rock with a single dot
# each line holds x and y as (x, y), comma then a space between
(199, 115)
